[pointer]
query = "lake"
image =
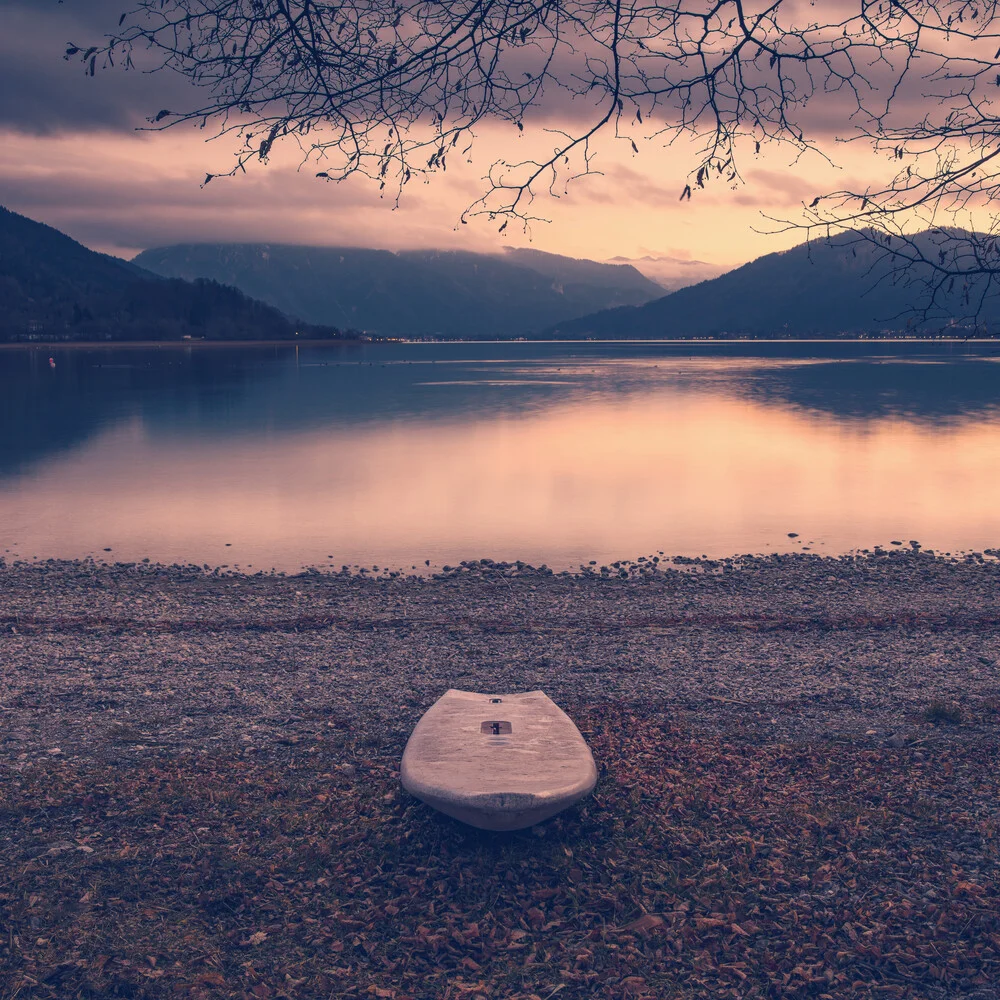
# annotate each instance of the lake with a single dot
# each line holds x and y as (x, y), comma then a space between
(400, 455)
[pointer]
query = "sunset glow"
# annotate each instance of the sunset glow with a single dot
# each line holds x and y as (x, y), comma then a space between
(79, 164)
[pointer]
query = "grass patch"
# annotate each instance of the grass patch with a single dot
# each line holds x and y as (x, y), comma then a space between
(943, 713)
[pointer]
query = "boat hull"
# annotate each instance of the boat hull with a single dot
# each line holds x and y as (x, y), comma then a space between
(497, 761)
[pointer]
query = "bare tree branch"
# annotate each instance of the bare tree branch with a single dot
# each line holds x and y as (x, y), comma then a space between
(392, 89)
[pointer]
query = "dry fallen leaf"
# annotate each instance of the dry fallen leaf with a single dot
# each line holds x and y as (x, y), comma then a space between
(714, 861)
(646, 923)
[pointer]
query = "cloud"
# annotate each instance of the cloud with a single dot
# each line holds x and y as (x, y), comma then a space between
(42, 93)
(143, 191)
(69, 156)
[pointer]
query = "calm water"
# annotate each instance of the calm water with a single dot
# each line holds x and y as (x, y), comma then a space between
(391, 455)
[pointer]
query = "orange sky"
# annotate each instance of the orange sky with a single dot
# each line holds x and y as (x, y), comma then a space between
(143, 189)
(69, 156)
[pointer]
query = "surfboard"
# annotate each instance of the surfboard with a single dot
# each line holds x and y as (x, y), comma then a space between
(497, 761)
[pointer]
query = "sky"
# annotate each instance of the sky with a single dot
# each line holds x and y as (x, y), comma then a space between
(74, 154)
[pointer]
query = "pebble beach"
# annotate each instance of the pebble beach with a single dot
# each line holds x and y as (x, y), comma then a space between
(231, 742)
(792, 646)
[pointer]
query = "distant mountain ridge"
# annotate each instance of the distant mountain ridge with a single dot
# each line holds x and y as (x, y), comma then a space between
(53, 288)
(840, 287)
(669, 272)
(451, 293)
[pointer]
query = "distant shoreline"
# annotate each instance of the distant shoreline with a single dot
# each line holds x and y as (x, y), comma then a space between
(351, 342)
(59, 345)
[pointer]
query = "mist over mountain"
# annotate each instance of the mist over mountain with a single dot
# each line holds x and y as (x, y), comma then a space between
(53, 288)
(841, 287)
(669, 272)
(412, 292)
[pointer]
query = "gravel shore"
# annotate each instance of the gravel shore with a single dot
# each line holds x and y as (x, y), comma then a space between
(789, 646)
(799, 791)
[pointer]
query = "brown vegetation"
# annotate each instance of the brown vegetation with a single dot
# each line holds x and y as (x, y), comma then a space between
(195, 807)
(702, 867)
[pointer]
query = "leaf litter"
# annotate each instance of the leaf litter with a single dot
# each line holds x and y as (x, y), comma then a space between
(224, 822)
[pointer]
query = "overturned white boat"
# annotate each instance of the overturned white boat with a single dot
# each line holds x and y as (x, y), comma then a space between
(497, 761)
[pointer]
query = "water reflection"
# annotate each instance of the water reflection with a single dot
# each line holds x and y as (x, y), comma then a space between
(550, 453)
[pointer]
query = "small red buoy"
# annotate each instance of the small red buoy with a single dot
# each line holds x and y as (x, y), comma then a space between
(52, 362)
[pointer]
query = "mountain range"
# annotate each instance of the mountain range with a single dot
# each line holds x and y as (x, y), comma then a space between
(53, 288)
(411, 293)
(844, 286)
